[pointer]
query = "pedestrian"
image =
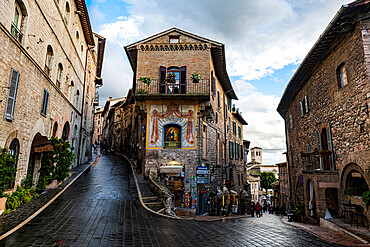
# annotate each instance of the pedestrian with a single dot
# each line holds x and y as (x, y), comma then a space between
(251, 208)
(258, 209)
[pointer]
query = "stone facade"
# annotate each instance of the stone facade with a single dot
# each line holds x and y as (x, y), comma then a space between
(327, 119)
(184, 123)
(56, 73)
(98, 125)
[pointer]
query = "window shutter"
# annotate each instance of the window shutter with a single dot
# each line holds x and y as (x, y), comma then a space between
(301, 105)
(330, 146)
(162, 77)
(320, 147)
(12, 95)
(183, 79)
(306, 103)
(214, 86)
(45, 101)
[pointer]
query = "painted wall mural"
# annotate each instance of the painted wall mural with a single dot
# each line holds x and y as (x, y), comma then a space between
(165, 118)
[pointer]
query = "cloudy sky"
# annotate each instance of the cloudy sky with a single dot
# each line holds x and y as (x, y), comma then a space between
(265, 41)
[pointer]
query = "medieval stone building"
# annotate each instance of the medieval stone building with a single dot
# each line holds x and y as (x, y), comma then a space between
(326, 111)
(50, 62)
(184, 125)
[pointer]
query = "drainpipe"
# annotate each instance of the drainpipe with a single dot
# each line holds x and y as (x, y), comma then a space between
(83, 106)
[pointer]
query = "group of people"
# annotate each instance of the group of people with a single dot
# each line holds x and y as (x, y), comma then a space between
(255, 207)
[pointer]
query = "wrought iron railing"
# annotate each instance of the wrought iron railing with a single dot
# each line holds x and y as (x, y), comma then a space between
(16, 33)
(159, 87)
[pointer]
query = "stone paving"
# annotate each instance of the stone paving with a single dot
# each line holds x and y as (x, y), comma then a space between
(102, 209)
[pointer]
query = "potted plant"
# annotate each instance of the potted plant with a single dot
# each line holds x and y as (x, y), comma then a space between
(145, 80)
(196, 77)
(141, 91)
(300, 210)
(366, 197)
(171, 78)
(350, 191)
(7, 172)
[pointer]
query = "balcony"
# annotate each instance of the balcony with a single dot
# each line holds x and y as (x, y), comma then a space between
(318, 162)
(96, 99)
(16, 33)
(163, 89)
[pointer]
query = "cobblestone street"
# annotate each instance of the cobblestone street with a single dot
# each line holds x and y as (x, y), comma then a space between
(102, 209)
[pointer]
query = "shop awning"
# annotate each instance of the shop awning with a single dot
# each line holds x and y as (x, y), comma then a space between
(41, 144)
(171, 169)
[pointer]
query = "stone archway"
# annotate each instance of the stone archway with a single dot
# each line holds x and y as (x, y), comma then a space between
(354, 176)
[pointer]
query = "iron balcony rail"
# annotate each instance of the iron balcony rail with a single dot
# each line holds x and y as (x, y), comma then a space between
(158, 87)
(16, 33)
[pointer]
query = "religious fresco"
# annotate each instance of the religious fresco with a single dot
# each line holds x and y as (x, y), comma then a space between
(171, 123)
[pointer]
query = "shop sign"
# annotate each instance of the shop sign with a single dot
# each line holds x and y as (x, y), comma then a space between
(142, 127)
(356, 174)
(202, 170)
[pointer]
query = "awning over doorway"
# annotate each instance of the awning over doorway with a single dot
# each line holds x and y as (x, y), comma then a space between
(41, 144)
(171, 169)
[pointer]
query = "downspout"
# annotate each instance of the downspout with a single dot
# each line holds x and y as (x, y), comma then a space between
(83, 104)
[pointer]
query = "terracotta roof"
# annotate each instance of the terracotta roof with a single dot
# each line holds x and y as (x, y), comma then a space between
(85, 21)
(342, 23)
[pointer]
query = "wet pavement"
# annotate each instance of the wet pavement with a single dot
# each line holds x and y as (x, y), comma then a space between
(102, 209)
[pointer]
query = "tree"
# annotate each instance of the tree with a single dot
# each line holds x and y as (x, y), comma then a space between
(267, 178)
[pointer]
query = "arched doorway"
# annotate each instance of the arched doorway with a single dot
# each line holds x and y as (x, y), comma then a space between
(331, 200)
(40, 144)
(14, 151)
(65, 132)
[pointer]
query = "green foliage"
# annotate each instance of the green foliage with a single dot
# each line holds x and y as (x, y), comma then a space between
(56, 164)
(366, 197)
(7, 170)
(171, 78)
(19, 197)
(141, 91)
(350, 191)
(300, 209)
(62, 158)
(28, 182)
(196, 77)
(267, 178)
(145, 80)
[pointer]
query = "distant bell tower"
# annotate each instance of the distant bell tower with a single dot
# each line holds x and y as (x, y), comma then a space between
(256, 154)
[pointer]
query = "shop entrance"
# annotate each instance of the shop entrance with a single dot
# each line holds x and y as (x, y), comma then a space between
(172, 176)
(202, 202)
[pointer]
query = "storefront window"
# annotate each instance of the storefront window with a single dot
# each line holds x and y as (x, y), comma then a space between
(172, 136)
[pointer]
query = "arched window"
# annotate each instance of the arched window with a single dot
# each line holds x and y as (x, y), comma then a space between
(71, 90)
(77, 36)
(342, 75)
(65, 132)
(49, 60)
(17, 26)
(326, 149)
(59, 74)
(14, 151)
(67, 13)
(55, 129)
(82, 48)
(172, 136)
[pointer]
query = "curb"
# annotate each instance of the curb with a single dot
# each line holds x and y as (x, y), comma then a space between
(319, 236)
(48, 203)
(141, 198)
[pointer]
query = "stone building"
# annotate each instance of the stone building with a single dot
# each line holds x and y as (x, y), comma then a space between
(98, 125)
(49, 62)
(284, 188)
(183, 125)
(326, 111)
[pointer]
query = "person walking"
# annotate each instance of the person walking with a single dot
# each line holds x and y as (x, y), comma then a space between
(258, 209)
(251, 208)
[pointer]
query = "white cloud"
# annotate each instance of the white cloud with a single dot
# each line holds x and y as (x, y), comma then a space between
(265, 127)
(260, 37)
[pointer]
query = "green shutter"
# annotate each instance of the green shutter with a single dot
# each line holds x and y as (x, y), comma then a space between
(12, 95)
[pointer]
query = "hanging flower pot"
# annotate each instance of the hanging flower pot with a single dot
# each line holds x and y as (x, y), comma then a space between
(171, 78)
(195, 77)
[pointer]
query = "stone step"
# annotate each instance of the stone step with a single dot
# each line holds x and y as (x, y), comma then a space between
(150, 198)
(153, 203)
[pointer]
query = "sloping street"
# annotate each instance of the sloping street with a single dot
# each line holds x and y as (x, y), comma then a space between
(102, 209)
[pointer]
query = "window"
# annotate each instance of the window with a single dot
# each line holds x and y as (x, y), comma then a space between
(304, 106)
(291, 120)
(77, 36)
(240, 132)
(44, 106)
(18, 21)
(65, 132)
(49, 60)
(308, 158)
(234, 128)
(229, 104)
(204, 142)
(59, 74)
(213, 84)
(77, 98)
(172, 136)
(231, 150)
(67, 13)
(325, 149)
(229, 123)
(12, 95)
(236, 151)
(174, 39)
(55, 129)
(82, 48)
(14, 151)
(218, 99)
(218, 151)
(176, 85)
(216, 118)
(342, 75)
